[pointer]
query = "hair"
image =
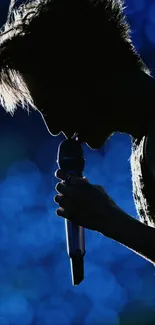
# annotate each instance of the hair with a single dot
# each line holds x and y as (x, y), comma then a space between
(139, 197)
(47, 35)
(143, 182)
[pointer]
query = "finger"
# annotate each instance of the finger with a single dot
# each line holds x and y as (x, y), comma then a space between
(60, 212)
(66, 190)
(59, 199)
(60, 187)
(64, 202)
(74, 180)
(60, 174)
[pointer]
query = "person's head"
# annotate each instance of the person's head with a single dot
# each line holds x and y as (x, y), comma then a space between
(63, 57)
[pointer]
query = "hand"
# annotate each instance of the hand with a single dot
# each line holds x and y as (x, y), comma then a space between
(85, 204)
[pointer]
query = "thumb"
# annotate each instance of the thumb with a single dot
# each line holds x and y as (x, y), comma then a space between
(74, 180)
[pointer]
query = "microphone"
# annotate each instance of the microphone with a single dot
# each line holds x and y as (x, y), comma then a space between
(70, 159)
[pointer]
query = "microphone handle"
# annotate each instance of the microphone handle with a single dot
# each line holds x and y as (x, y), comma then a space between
(70, 159)
(76, 248)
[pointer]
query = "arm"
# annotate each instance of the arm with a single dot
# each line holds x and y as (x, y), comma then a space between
(133, 234)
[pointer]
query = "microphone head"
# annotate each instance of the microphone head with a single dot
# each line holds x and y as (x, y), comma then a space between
(70, 156)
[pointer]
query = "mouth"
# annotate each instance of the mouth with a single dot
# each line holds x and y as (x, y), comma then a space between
(80, 136)
(69, 134)
(85, 138)
(88, 138)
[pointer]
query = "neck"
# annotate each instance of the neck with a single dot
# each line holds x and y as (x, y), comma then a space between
(138, 102)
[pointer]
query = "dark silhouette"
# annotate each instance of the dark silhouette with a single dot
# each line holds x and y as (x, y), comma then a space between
(73, 61)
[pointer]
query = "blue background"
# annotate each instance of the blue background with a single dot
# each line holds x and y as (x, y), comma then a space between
(35, 281)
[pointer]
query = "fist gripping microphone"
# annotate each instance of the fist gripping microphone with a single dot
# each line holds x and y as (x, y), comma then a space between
(71, 160)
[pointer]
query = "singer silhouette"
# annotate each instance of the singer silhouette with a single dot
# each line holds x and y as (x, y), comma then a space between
(73, 61)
